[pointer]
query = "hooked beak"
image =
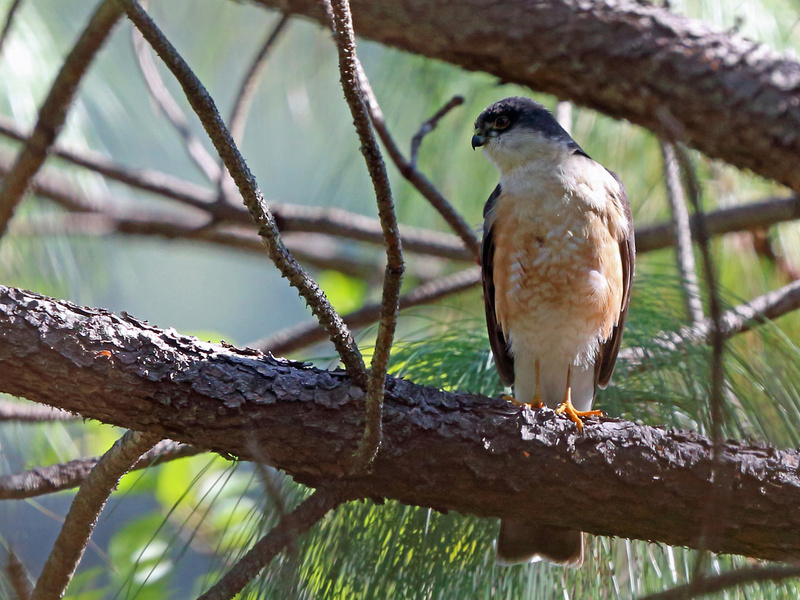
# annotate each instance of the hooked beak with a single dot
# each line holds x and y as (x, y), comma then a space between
(478, 140)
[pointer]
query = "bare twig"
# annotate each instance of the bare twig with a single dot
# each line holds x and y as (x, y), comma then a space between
(56, 478)
(291, 525)
(249, 85)
(54, 109)
(84, 512)
(169, 107)
(295, 338)
(351, 76)
(429, 126)
(709, 585)
(18, 576)
(33, 413)
(9, 20)
(681, 225)
(244, 98)
(417, 179)
(204, 106)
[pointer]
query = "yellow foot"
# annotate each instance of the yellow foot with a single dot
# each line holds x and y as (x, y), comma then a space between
(576, 416)
(533, 404)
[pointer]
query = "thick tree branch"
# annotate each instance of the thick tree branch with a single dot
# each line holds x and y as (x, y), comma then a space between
(53, 112)
(737, 100)
(449, 451)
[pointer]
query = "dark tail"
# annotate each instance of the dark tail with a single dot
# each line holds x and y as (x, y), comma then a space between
(521, 542)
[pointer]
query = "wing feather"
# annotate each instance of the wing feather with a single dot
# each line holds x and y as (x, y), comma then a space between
(502, 357)
(604, 366)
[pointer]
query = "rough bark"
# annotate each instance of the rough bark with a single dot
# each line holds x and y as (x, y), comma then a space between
(731, 98)
(449, 451)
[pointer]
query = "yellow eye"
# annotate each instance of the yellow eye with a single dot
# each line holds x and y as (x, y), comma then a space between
(502, 122)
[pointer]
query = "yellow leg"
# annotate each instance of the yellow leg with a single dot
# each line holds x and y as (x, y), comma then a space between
(537, 401)
(567, 409)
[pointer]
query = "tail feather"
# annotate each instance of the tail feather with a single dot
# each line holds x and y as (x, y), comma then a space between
(522, 542)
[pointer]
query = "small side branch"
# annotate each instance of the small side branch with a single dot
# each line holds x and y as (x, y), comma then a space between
(84, 512)
(22, 412)
(291, 525)
(204, 106)
(56, 478)
(414, 177)
(53, 112)
(430, 125)
(245, 95)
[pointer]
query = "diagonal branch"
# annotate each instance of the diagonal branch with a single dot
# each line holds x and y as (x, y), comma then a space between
(55, 478)
(417, 179)
(351, 75)
(445, 450)
(312, 510)
(204, 106)
(53, 112)
(428, 126)
(84, 512)
(170, 109)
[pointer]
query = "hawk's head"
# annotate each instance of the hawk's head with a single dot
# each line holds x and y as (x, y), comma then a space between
(516, 131)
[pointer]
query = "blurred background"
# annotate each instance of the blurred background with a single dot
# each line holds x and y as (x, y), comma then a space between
(172, 530)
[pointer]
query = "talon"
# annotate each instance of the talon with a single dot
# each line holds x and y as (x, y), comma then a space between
(576, 416)
(533, 404)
